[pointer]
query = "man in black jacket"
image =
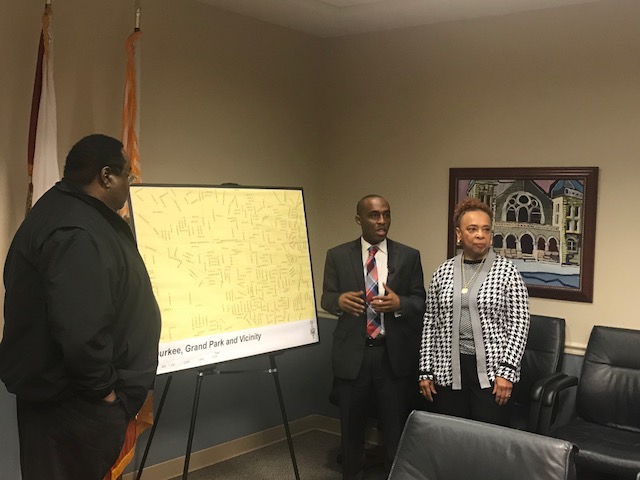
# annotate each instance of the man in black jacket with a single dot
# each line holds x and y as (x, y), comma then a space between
(375, 287)
(80, 343)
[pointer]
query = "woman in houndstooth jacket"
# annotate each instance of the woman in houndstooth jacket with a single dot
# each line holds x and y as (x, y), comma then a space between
(475, 326)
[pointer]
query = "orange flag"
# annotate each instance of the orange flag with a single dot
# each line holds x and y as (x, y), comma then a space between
(144, 418)
(130, 113)
(130, 109)
(137, 425)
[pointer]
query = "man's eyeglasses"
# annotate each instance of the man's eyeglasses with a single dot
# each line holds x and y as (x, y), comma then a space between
(132, 178)
(121, 172)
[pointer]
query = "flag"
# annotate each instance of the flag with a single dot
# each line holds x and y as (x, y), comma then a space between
(137, 425)
(144, 418)
(42, 150)
(130, 108)
(130, 112)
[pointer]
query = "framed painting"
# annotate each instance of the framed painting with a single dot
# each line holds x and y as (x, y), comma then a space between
(544, 221)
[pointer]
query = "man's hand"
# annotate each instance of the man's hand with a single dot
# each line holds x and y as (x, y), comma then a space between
(352, 303)
(386, 303)
(111, 397)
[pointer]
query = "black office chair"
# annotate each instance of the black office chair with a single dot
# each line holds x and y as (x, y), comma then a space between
(606, 427)
(541, 365)
(441, 447)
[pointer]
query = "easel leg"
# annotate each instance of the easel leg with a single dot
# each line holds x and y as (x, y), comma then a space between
(274, 372)
(154, 426)
(192, 427)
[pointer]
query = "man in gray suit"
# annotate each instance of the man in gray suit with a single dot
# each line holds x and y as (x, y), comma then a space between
(375, 286)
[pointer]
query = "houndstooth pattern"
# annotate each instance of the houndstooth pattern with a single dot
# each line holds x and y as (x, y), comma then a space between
(503, 304)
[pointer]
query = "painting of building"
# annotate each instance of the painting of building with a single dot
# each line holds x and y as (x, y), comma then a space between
(538, 225)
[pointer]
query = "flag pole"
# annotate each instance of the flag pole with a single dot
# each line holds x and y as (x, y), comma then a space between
(144, 417)
(137, 23)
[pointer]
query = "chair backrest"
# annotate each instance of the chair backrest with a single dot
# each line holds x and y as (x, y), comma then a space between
(609, 387)
(542, 356)
(440, 447)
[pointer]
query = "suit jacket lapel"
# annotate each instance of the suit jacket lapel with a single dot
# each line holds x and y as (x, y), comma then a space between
(355, 255)
(392, 262)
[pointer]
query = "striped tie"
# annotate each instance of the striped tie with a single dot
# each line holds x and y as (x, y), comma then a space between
(371, 284)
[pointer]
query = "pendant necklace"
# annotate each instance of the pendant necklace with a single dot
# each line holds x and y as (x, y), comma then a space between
(465, 284)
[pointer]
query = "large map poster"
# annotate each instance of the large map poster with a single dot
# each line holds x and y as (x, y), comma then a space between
(230, 268)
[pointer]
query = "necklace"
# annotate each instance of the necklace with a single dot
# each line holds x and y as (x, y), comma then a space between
(465, 284)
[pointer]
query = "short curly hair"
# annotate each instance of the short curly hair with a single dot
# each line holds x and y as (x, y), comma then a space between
(361, 202)
(469, 205)
(87, 157)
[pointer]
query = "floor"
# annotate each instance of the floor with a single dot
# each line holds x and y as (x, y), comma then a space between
(316, 455)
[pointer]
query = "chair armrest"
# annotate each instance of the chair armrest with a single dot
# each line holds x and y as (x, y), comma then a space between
(549, 399)
(535, 399)
(540, 386)
(552, 391)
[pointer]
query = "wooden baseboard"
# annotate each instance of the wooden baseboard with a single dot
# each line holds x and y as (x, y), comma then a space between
(218, 453)
(575, 349)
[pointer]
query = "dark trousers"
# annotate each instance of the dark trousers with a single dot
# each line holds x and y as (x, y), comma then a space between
(73, 439)
(472, 401)
(375, 382)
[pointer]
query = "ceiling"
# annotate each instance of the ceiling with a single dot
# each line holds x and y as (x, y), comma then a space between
(331, 18)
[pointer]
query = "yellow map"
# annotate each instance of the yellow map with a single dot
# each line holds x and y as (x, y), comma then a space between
(224, 259)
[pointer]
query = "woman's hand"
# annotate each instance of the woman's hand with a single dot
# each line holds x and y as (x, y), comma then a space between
(502, 390)
(428, 389)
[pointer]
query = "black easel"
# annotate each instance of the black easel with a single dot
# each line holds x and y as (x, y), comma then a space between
(153, 428)
(214, 371)
(273, 370)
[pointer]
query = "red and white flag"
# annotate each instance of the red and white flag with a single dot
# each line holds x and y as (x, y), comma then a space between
(42, 152)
